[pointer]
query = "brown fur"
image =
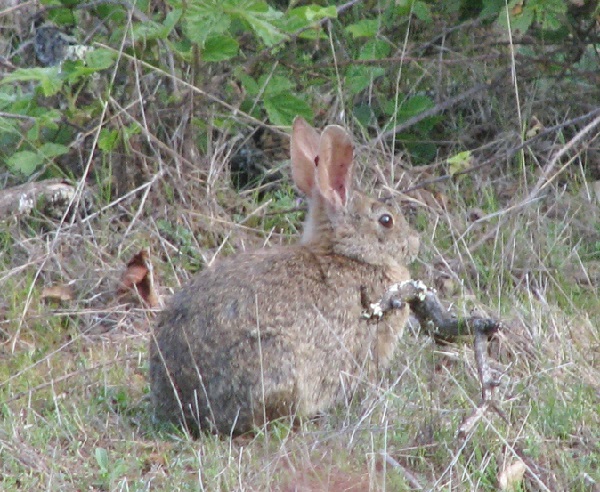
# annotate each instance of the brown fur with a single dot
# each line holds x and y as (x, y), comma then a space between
(279, 332)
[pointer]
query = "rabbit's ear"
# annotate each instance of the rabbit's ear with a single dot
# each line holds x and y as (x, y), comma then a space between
(304, 153)
(334, 167)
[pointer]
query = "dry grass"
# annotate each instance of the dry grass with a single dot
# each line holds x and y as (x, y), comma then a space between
(76, 414)
(73, 376)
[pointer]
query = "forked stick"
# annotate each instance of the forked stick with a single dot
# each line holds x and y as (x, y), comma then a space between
(441, 324)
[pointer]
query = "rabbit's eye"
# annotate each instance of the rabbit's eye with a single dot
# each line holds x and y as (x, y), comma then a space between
(386, 220)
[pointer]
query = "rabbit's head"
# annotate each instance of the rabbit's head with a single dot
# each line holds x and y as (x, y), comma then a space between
(342, 220)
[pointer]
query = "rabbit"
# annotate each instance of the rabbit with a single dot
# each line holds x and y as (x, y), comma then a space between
(279, 332)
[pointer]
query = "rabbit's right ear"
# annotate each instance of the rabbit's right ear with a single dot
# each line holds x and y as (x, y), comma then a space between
(334, 172)
(304, 153)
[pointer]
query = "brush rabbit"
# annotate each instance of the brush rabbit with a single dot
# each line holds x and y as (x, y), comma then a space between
(279, 332)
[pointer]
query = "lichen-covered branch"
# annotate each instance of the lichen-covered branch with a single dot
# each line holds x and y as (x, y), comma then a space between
(441, 324)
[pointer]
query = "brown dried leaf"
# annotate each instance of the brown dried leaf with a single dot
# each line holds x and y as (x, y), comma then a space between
(138, 278)
(512, 476)
(58, 293)
(517, 9)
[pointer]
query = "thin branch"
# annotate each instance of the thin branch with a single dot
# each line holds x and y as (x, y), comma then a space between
(509, 153)
(442, 325)
(438, 108)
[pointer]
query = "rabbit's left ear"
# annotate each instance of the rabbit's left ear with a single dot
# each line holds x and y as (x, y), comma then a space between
(304, 151)
(334, 169)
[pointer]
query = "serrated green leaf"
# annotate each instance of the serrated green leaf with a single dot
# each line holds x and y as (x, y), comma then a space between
(305, 16)
(412, 107)
(107, 139)
(100, 59)
(265, 30)
(365, 28)
(422, 12)
(25, 162)
(49, 78)
(316, 12)
(359, 77)
(46, 117)
(491, 8)
(219, 48)
(276, 84)
(205, 20)
(150, 30)
(50, 150)
(375, 49)
(131, 130)
(551, 22)
(420, 9)
(8, 125)
(283, 108)
(520, 18)
(550, 13)
(249, 84)
(33, 134)
(404, 7)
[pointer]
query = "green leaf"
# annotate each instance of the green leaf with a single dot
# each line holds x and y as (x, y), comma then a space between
(520, 16)
(219, 48)
(50, 150)
(491, 8)
(283, 108)
(422, 12)
(49, 78)
(100, 59)
(249, 84)
(365, 28)
(206, 19)
(107, 139)
(150, 30)
(417, 7)
(375, 49)
(261, 23)
(8, 125)
(131, 130)
(276, 84)
(316, 12)
(25, 162)
(102, 459)
(550, 13)
(460, 162)
(47, 117)
(412, 107)
(307, 16)
(359, 77)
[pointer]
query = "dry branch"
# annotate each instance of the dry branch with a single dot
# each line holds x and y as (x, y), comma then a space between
(441, 324)
(23, 199)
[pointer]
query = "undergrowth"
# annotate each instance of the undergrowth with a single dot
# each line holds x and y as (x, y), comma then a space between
(179, 138)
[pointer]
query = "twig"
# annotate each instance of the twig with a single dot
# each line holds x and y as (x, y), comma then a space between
(409, 476)
(437, 321)
(509, 153)
(546, 177)
(438, 108)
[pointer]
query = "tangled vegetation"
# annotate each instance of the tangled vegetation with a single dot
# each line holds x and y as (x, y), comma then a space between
(166, 124)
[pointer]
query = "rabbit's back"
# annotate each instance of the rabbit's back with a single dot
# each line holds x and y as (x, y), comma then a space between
(268, 334)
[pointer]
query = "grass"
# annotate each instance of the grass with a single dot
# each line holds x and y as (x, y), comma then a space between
(74, 405)
(76, 413)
